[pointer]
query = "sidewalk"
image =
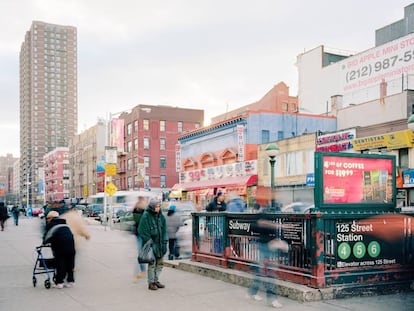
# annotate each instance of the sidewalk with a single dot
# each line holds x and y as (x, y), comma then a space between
(104, 281)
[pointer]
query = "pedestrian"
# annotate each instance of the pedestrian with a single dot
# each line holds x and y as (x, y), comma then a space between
(153, 226)
(235, 204)
(217, 204)
(4, 215)
(173, 224)
(137, 213)
(61, 239)
(77, 225)
(268, 243)
(15, 212)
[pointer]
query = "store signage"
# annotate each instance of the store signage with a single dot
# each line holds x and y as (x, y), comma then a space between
(335, 142)
(240, 143)
(395, 140)
(310, 179)
(408, 178)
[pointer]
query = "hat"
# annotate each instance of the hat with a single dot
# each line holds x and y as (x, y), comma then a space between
(154, 202)
(172, 207)
(52, 214)
(219, 193)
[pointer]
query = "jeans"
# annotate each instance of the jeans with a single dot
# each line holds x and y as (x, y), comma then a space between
(140, 266)
(154, 270)
(264, 255)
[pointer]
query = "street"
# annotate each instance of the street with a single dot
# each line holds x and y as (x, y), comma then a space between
(104, 281)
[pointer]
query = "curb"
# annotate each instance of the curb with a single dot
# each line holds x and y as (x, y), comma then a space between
(298, 292)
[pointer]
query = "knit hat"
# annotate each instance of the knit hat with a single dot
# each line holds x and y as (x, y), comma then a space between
(52, 214)
(219, 193)
(172, 207)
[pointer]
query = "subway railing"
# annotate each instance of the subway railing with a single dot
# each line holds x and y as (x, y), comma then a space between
(325, 248)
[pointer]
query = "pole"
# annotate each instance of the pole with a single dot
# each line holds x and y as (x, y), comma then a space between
(272, 182)
(27, 190)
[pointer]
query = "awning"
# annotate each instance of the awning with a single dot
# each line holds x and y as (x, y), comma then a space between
(250, 180)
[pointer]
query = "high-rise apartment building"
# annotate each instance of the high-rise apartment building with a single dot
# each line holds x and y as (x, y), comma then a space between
(48, 99)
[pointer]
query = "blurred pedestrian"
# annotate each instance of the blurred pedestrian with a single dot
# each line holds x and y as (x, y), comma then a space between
(173, 223)
(217, 204)
(184, 237)
(77, 225)
(4, 215)
(60, 237)
(235, 203)
(268, 242)
(137, 213)
(153, 226)
(15, 212)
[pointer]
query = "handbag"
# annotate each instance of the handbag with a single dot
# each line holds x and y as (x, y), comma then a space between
(146, 253)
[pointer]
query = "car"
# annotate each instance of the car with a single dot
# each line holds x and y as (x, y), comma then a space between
(94, 210)
(37, 211)
(298, 207)
(117, 212)
(183, 208)
(126, 222)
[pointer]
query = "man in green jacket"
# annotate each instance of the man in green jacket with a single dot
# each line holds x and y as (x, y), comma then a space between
(154, 226)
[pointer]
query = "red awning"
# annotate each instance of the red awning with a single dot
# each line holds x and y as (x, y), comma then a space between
(216, 183)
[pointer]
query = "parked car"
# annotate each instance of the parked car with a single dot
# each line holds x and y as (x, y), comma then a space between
(117, 212)
(297, 207)
(37, 211)
(183, 208)
(94, 210)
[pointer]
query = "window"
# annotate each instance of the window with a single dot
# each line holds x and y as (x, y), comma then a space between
(265, 136)
(293, 163)
(135, 162)
(279, 135)
(129, 146)
(146, 143)
(180, 126)
(285, 106)
(129, 165)
(145, 124)
(136, 126)
(162, 126)
(163, 162)
(146, 162)
(403, 158)
(163, 183)
(162, 143)
(129, 186)
(129, 129)
(136, 144)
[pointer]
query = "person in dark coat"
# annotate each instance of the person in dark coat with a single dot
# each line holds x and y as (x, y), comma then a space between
(3, 215)
(58, 234)
(16, 212)
(173, 224)
(217, 204)
(137, 213)
(153, 225)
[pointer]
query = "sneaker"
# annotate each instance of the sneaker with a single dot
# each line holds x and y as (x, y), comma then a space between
(254, 297)
(69, 284)
(276, 304)
(59, 286)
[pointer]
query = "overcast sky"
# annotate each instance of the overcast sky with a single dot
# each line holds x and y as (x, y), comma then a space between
(205, 54)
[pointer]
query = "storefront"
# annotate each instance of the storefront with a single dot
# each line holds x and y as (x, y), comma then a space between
(201, 192)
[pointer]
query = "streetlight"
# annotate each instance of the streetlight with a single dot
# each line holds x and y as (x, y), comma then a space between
(272, 150)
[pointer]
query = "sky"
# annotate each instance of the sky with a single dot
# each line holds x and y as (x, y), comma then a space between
(215, 55)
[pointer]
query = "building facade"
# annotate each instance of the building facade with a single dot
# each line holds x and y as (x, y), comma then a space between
(7, 180)
(149, 145)
(86, 157)
(56, 175)
(48, 98)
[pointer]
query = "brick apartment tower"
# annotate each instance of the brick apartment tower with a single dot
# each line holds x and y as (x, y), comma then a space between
(48, 100)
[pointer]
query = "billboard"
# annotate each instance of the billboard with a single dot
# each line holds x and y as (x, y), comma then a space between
(354, 180)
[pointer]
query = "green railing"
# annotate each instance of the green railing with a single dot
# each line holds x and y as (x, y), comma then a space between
(325, 248)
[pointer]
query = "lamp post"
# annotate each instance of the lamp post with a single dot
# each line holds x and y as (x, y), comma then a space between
(272, 150)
